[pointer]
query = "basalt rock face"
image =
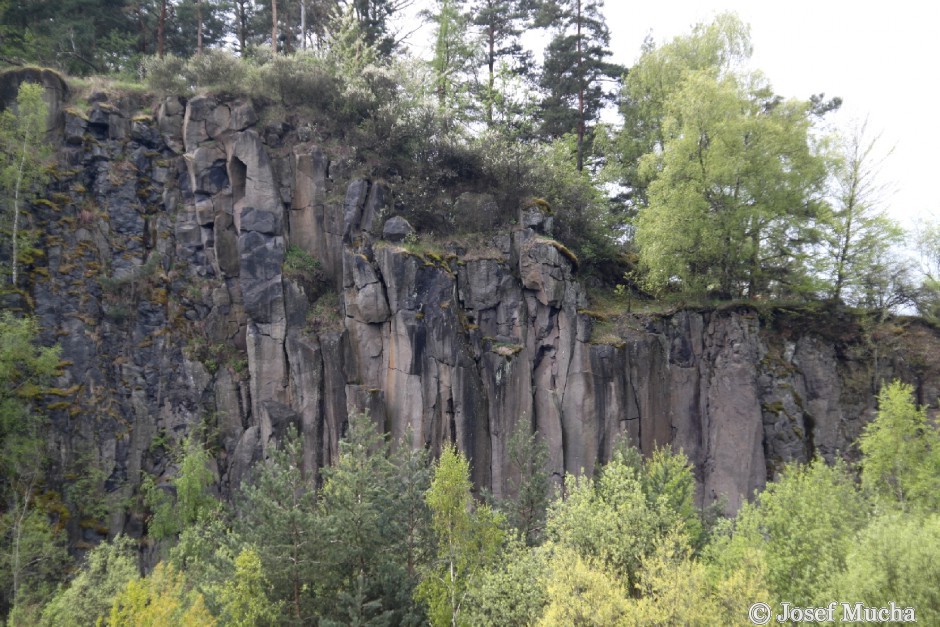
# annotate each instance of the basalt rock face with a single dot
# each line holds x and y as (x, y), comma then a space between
(164, 281)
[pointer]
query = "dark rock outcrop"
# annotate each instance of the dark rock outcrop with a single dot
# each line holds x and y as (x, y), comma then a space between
(163, 282)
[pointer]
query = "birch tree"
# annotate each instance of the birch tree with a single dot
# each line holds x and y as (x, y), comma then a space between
(24, 155)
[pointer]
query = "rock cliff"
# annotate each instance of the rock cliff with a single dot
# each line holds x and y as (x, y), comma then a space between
(167, 281)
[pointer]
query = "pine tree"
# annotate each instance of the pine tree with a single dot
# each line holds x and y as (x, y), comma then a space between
(501, 24)
(452, 53)
(279, 517)
(578, 78)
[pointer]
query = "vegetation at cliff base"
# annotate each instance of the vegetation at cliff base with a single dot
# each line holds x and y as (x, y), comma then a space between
(393, 538)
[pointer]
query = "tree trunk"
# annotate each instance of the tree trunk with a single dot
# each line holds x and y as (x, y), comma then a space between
(274, 26)
(161, 30)
(491, 63)
(199, 27)
(581, 78)
(288, 32)
(850, 205)
(16, 203)
(303, 25)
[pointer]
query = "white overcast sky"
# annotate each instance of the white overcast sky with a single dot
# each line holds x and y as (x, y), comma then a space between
(880, 57)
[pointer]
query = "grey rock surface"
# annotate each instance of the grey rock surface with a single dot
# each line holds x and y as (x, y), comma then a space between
(166, 290)
(396, 229)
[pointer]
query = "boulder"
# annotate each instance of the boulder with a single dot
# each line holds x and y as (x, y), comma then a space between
(396, 229)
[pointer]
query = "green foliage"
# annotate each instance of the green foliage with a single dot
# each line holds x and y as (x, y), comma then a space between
(108, 569)
(581, 218)
(583, 592)
(206, 553)
(278, 516)
(364, 536)
(452, 55)
(468, 538)
(159, 599)
(193, 504)
(669, 485)
(927, 245)
(513, 592)
(245, 598)
(32, 552)
(32, 555)
(674, 588)
(896, 558)
(298, 263)
(863, 269)
(803, 525)
(501, 24)
(901, 452)
(617, 518)
(575, 71)
(374, 18)
(718, 48)
(25, 368)
(734, 195)
(24, 155)
(167, 76)
(607, 520)
(528, 499)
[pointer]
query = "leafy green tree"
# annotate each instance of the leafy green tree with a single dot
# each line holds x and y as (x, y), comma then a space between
(513, 591)
(32, 552)
(861, 231)
(674, 588)
(718, 48)
(24, 155)
(607, 521)
(800, 541)
(207, 553)
(896, 558)
(108, 569)
(668, 482)
(734, 198)
(468, 538)
(278, 516)
(356, 504)
(901, 452)
(501, 24)
(195, 25)
(68, 35)
(25, 370)
(927, 245)
(618, 518)
(33, 555)
(577, 76)
(452, 54)
(584, 592)
(375, 21)
(245, 598)
(526, 505)
(194, 502)
(411, 518)
(161, 598)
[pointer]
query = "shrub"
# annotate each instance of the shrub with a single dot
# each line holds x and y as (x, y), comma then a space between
(216, 69)
(166, 76)
(299, 79)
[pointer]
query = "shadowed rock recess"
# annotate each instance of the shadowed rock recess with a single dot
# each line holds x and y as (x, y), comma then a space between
(165, 283)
